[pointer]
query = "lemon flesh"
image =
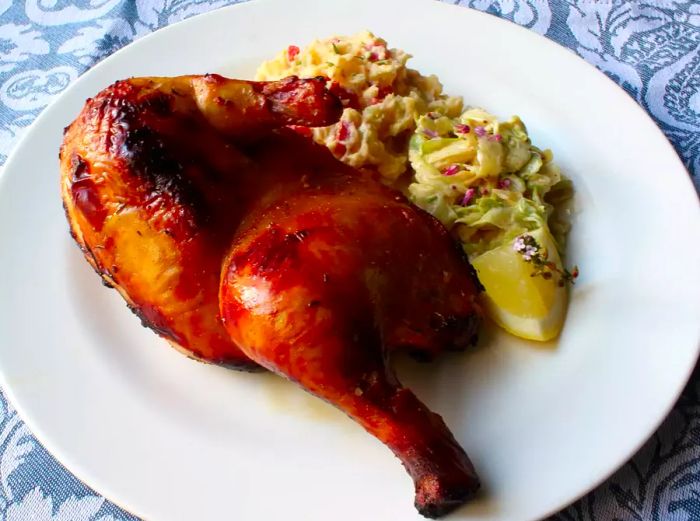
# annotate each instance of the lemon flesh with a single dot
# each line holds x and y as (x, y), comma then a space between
(525, 306)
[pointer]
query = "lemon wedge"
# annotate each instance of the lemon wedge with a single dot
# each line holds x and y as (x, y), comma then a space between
(525, 306)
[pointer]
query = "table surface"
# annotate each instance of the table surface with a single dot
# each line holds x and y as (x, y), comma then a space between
(650, 48)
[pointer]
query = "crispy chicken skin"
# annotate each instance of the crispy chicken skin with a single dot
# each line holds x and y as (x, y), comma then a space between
(245, 244)
(327, 276)
(153, 189)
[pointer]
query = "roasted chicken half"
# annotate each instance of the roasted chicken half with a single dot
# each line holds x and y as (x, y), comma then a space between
(243, 243)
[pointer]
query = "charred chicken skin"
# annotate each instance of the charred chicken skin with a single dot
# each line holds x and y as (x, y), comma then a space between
(154, 188)
(245, 244)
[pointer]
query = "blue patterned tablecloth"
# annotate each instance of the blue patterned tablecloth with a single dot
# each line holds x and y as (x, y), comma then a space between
(651, 48)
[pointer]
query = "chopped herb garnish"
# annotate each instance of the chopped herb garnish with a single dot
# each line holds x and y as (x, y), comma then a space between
(335, 48)
(531, 251)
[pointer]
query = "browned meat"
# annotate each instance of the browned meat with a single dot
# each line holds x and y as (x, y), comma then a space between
(188, 196)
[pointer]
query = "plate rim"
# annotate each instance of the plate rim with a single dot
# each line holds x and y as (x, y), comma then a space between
(44, 438)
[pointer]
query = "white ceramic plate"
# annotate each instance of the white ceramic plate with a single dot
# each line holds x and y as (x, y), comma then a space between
(170, 439)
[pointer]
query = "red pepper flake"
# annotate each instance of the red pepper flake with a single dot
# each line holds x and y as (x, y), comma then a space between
(371, 46)
(462, 129)
(504, 183)
(373, 56)
(343, 131)
(495, 137)
(292, 52)
(382, 93)
(451, 170)
(468, 196)
(339, 149)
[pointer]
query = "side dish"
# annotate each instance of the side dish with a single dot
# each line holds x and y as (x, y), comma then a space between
(506, 203)
(382, 98)
(480, 177)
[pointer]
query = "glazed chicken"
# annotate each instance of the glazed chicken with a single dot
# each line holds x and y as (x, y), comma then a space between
(154, 188)
(243, 243)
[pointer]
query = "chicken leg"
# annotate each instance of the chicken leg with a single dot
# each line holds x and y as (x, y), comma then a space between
(326, 277)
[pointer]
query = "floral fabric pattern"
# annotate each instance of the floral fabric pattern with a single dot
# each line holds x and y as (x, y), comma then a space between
(649, 47)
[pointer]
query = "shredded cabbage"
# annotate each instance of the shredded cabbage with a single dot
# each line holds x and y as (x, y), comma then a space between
(511, 186)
